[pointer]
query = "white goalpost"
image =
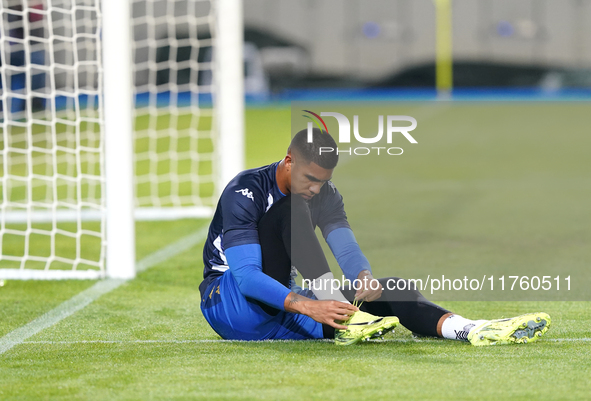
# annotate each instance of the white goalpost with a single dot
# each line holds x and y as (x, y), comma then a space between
(112, 111)
(118, 127)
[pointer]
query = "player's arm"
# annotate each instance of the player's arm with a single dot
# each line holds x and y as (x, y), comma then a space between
(341, 240)
(344, 247)
(325, 312)
(353, 263)
(243, 204)
(245, 263)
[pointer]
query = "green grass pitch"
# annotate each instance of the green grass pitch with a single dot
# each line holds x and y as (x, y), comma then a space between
(496, 188)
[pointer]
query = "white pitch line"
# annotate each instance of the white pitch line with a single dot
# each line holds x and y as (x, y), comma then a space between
(392, 340)
(165, 341)
(86, 297)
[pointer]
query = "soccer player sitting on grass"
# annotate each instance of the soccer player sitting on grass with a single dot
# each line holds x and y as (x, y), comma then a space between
(263, 230)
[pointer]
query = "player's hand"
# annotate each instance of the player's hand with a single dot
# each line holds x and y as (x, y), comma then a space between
(371, 289)
(330, 312)
(325, 312)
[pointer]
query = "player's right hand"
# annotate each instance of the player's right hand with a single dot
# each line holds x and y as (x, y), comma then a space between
(330, 312)
(325, 312)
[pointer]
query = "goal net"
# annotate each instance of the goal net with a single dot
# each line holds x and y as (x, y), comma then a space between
(54, 211)
(174, 125)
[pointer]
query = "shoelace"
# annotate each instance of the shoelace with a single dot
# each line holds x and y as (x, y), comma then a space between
(357, 303)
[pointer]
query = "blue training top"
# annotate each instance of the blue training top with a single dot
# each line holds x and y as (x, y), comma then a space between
(243, 203)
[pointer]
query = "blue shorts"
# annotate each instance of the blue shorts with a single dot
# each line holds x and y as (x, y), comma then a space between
(234, 317)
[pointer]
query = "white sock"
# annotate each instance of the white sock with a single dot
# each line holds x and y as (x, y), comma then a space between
(323, 289)
(457, 327)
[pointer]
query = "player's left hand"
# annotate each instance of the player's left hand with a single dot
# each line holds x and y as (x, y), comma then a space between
(371, 289)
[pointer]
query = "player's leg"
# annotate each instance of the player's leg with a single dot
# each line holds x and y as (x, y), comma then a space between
(415, 312)
(235, 317)
(401, 298)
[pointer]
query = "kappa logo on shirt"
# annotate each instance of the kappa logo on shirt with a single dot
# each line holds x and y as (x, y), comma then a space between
(246, 192)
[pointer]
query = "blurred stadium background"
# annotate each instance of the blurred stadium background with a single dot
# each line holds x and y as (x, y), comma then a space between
(320, 44)
(392, 44)
(465, 200)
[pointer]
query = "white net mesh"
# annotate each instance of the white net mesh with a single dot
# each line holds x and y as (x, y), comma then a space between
(173, 114)
(51, 141)
(51, 136)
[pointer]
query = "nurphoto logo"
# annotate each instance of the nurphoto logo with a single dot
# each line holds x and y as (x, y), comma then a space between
(392, 127)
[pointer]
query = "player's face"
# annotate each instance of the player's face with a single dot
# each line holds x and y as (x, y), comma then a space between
(307, 178)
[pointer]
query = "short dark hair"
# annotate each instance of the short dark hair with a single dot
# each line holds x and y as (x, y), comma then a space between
(311, 151)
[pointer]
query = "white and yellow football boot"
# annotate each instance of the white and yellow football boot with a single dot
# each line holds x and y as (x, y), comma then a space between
(363, 326)
(518, 330)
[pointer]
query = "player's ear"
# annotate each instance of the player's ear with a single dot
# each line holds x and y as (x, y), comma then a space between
(288, 161)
